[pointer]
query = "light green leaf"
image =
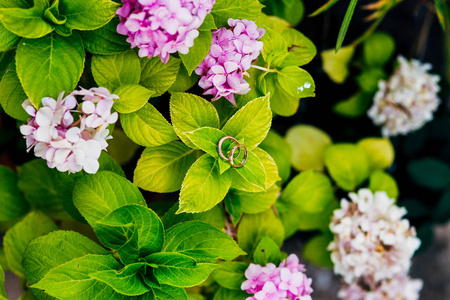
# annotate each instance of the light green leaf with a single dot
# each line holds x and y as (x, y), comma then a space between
(251, 123)
(252, 229)
(255, 203)
(97, 195)
(12, 95)
(167, 292)
(214, 216)
(113, 71)
(378, 49)
(353, 107)
(311, 191)
(251, 177)
(201, 241)
(227, 294)
(236, 9)
(88, 14)
(233, 207)
(16, 239)
(12, 202)
(316, 251)
(183, 81)
(49, 65)
(38, 184)
(2, 285)
(347, 164)
(282, 103)
(204, 186)
(301, 49)
(132, 97)
(281, 152)
(189, 112)
(162, 169)
(267, 251)
(197, 52)
(230, 275)
(345, 24)
(179, 270)
(269, 166)
(297, 82)
(368, 82)
(71, 280)
(157, 76)
(207, 139)
(430, 173)
(147, 127)
(105, 40)
(27, 22)
(126, 281)
(7, 39)
(290, 10)
(275, 47)
(308, 144)
(381, 181)
(336, 64)
(323, 8)
(380, 152)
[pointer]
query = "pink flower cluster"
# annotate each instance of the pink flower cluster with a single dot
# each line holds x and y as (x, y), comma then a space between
(230, 56)
(287, 281)
(162, 27)
(70, 136)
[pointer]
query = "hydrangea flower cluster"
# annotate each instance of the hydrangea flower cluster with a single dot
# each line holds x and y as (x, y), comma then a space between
(231, 54)
(162, 27)
(373, 245)
(407, 100)
(287, 281)
(70, 136)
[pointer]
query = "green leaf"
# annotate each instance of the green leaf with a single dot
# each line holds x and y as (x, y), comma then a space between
(230, 275)
(189, 112)
(105, 40)
(197, 52)
(336, 64)
(281, 152)
(2, 285)
(72, 281)
(204, 186)
(323, 8)
(283, 103)
(6, 59)
(251, 177)
(381, 181)
(183, 82)
(56, 248)
(132, 97)
(207, 139)
(162, 169)
(179, 270)
(236, 9)
(430, 173)
(107, 163)
(255, 203)
(7, 39)
(441, 211)
(443, 13)
(227, 294)
(251, 123)
(203, 242)
(297, 82)
(126, 281)
(97, 195)
(275, 47)
(368, 82)
(252, 229)
(378, 49)
(11, 94)
(113, 71)
(267, 251)
(27, 22)
(308, 144)
(301, 49)
(380, 152)
(88, 14)
(270, 167)
(214, 216)
(12, 202)
(38, 184)
(311, 191)
(290, 10)
(208, 24)
(147, 127)
(49, 65)
(16, 239)
(157, 76)
(347, 164)
(167, 292)
(316, 251)
(353, 107)
(345, 24)
(233, 207)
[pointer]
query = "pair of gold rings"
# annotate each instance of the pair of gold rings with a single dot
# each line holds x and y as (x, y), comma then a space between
(231, 157)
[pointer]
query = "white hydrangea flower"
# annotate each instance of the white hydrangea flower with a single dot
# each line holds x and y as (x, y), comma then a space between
(407, 100)
(371, 238)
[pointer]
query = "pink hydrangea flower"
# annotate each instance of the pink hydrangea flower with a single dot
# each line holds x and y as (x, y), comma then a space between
(232, 51)
(162, 27)
(287, 281)
(66, 144)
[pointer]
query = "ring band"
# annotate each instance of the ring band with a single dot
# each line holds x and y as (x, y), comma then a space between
(232, 156)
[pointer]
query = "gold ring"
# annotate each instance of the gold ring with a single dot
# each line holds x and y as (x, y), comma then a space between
(232, 156)
(244, 160)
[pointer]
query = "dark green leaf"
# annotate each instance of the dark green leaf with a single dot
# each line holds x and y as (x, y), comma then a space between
(430, 173)
(12, 202)
(316, 251)
(11, 94)
(198, 52)
(214, 216)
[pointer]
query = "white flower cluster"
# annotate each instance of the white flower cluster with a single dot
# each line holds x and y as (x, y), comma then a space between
(372, 244)
(69, 136)
(407, 100)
